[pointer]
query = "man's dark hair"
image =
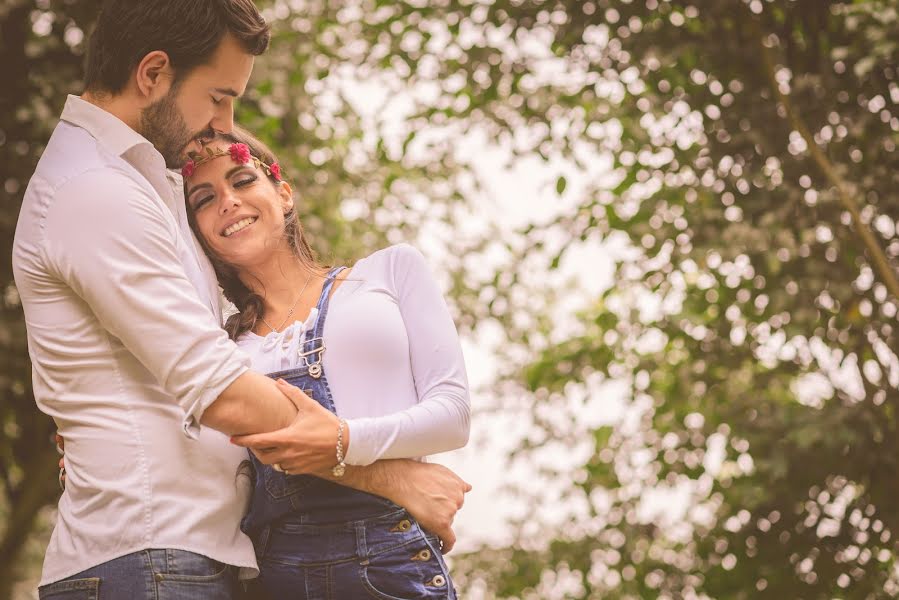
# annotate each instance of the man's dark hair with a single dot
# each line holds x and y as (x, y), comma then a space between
(188, 31)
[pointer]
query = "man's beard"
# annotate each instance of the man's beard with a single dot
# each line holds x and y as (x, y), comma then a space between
(164, 127)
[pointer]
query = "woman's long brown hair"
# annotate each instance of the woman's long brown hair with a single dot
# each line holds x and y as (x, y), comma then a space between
(249, 305)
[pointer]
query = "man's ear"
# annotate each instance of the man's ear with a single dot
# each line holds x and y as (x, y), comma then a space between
(154, 75)
(286, 194)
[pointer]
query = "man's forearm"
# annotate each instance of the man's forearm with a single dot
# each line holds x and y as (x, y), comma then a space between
(431, 493)
(381, 478)
(251, 404)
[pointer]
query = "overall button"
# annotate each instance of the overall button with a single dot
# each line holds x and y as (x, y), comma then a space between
(423, 555)
(404, 525)
(438, 581)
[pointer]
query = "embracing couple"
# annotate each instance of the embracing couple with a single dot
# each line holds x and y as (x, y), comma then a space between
(146, 202)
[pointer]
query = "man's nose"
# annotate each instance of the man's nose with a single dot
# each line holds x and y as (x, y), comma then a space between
(223, 121)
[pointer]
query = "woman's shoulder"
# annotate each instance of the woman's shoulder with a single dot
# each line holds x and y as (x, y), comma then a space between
(401, 251)
(392, 268)
(388, 260)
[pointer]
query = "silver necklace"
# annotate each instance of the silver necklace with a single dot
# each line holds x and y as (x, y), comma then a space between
(290, 310)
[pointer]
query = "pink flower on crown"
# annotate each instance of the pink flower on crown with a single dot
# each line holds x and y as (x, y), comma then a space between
(275, 169)
(240, 153)
(188, 169)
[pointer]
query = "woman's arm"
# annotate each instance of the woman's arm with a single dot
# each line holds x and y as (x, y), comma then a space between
(440, 420)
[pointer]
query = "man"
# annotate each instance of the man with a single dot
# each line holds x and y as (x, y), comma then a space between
(123, 321)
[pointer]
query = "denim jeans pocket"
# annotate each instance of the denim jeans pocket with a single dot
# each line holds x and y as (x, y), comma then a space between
(71, 589)
(411, 572)
(215, 586)
(181, 565)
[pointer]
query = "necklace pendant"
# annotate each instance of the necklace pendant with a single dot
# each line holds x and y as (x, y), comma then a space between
(315, 370)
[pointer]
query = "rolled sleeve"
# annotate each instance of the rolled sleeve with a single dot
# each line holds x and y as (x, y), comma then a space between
(115, 245)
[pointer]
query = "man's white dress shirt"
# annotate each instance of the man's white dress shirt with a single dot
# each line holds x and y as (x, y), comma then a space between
(124, 335)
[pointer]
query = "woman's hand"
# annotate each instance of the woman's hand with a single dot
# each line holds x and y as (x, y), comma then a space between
(306, 446)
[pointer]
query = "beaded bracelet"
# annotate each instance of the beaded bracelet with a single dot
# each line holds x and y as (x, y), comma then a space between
(340, 468)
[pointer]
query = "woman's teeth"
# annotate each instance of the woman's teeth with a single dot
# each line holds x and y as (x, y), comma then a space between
(238, 226)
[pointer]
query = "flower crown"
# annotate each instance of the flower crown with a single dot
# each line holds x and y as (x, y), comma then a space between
(239, 153)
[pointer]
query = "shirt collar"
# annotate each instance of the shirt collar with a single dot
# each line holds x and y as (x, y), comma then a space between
(106, 128)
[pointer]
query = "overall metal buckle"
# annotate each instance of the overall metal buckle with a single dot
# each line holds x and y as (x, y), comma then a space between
(314, 368)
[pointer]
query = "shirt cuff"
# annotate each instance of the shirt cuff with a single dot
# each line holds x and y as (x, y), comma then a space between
(363, 448)
(210, 393)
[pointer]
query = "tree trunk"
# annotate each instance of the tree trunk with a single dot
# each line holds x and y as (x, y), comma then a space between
(38, 489)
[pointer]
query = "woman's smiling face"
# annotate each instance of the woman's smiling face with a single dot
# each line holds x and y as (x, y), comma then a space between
(239, 210)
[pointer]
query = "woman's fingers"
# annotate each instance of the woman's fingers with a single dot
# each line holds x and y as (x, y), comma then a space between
(286, 464)
(259, 441)
(272, 456)
(299, 398)
(287, 460)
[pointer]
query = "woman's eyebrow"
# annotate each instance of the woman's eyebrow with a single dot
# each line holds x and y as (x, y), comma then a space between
(230, 172)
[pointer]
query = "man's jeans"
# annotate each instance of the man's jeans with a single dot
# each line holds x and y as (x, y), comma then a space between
(149, 575)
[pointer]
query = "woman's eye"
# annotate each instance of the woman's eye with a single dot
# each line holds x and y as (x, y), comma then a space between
(214, 101)
(200, 202)
(244, 181)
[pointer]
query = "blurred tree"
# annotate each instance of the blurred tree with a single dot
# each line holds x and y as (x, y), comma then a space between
(752, 315)
(754, 320)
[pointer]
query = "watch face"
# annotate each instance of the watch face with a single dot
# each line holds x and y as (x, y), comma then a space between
(338, 470)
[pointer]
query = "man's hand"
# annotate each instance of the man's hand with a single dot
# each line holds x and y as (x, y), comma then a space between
(431, 493)
(306, 446)
(61, 448)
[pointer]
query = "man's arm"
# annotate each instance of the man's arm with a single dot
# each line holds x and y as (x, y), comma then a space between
(252, 403)
(130, 275)
(431, 493)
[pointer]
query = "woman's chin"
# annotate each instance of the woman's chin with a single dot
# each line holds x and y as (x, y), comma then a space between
(246, 258)
(246, 250)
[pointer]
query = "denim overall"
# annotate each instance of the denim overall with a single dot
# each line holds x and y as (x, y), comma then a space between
(318, 540)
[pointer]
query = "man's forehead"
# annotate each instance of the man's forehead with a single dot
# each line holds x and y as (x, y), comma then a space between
(230, 68)
(223, 79)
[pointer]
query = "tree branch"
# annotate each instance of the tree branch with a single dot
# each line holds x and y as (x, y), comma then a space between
(878, 258)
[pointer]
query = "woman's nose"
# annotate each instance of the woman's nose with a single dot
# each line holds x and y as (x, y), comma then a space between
(228, 201)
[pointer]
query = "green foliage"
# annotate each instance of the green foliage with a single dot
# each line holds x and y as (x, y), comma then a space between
(753, 147)
(752, 311)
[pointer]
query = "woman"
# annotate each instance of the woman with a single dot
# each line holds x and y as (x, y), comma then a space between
(374, 344)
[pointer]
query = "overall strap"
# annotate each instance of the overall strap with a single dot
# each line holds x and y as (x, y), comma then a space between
(317, 331)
